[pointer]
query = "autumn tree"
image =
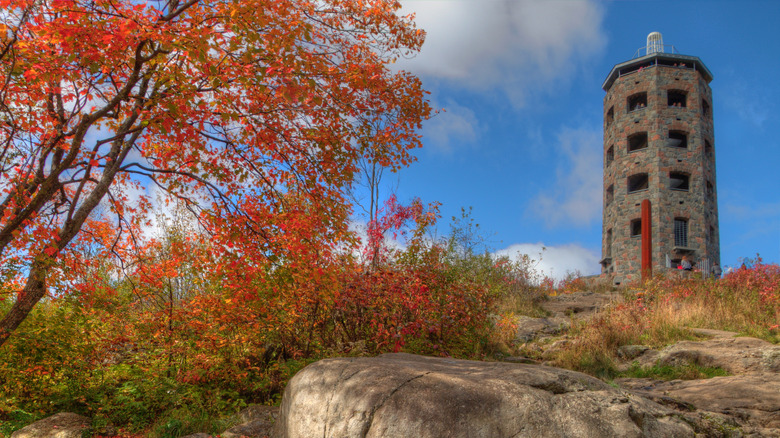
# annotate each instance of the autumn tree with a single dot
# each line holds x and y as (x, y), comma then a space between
(253, 113)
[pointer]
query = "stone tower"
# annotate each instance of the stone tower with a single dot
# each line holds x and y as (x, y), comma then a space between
(659, 146)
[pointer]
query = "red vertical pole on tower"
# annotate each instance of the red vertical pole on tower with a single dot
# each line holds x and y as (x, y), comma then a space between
(647, 242)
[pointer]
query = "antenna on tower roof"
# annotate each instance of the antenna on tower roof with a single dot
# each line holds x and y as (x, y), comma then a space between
(655, 43)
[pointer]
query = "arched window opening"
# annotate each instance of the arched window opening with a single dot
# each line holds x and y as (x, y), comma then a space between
(637, 101)
(679, 181)
(638, 182)
(636, 227)
(677, 139)
(676, 98)
(637, 142)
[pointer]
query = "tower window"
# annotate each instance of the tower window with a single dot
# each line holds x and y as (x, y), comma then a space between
(637, 141)
(707, 147)
(608, 245)
(679, 181)
(610, 115)
(705, 108)
(638, 182)
(610, 155)
(712, 234)
(710, 189)
(676, 98)
(681, 232)
(610, 194)
(637, 101)
(677, 139)
(636, 227)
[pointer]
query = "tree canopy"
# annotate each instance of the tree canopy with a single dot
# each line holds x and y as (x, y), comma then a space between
(254, 114)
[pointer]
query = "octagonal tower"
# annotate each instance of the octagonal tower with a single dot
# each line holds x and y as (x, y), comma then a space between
(659, 145)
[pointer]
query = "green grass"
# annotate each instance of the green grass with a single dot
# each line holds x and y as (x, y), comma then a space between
(667, 372)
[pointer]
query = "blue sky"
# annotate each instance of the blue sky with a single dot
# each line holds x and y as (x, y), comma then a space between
(520, 140)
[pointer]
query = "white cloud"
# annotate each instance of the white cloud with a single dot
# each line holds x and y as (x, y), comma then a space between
(748, 103)
(575, 197)
(360, 228)
(455, 124)
(517, 46)
(556, 261)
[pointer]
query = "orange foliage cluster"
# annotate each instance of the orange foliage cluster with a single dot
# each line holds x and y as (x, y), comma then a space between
(195, 311)
(254, 114)
(425, 306)
(760, 277)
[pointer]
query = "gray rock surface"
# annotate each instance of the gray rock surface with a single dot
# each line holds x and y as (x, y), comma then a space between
(631, 351)
(737, 355)
(62, 425)
(583, 305)
(529, 328)
(751, 400)
(748, 399)
(402, 395)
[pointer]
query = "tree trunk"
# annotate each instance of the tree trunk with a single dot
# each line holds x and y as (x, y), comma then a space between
(33, 291)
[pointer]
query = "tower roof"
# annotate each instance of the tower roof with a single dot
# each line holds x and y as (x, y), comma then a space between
(653, 59)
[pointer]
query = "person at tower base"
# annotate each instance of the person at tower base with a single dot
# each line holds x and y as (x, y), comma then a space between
(685, 264)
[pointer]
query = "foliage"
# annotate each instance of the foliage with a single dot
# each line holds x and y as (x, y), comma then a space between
(252, 118)
(178, 341)
(254, 114)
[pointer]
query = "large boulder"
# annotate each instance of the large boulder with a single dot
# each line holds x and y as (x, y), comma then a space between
(402, 395)
(62, 425)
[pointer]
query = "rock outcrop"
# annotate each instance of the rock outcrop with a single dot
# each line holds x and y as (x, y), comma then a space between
(62, 425)
(737, 355)
(749, 399)
(402, 395)
(750, 402)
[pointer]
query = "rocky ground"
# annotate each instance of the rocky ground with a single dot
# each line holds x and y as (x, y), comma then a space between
(749, 398)
(389, 394)
(746, 403)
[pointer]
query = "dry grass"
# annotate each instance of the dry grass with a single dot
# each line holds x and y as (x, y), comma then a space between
(523, 302)
(664, 310)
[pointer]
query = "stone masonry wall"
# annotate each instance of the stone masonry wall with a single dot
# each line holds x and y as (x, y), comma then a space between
(698, 204)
